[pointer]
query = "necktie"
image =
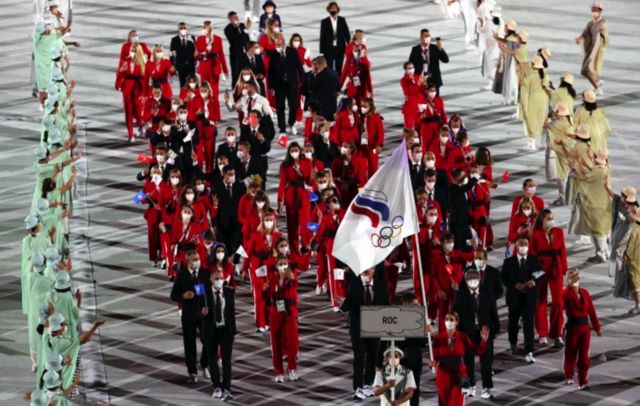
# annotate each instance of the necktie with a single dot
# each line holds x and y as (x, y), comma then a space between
(218, 310)
(250, 107)
(194, 276)
(253, 61)
(184, 42)
(368, 296)
(523, 268)
(230, 192)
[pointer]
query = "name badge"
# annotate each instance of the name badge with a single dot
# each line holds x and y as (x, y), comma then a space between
(355, 80)
(281, 306)
(199, 288)
(261, 272)
(338, 274)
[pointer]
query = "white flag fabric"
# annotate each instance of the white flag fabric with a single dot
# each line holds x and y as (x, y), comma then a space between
(380, 216)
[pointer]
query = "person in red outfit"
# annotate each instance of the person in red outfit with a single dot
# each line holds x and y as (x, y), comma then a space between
(349, 173)
(130, 81)
(293, 193)
(485, 164)
(429, 240)
(132, 40)
(357, 40)
(324, 245)
(446, 275)
(347, 125)
(260, 253)
(205, 106)
(579, 309)
(449, 348)
(414, 89)
(185, 234)
(188, 94)
(312, 120)
(246, 203)
(267, 44)
(432, 117)
(282, 289)
(317, 166)
(521, 222)
(460, 155)
(357, 69)
(200, 212)
(529, 188)
(372, 138)
(547, 243)
(219, 260)
(442, 150)
(157, 191)
(154, 108)
(478, 196)
(171, 200)
(158, 70)
(212, 64)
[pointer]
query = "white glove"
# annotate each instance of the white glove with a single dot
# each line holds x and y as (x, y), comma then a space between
(223, 76)
(188, 137)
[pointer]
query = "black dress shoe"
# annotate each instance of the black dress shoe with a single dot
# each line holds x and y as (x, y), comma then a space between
(514, 349)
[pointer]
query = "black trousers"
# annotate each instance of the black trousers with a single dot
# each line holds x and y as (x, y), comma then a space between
(234, 61)
(289, 93)
(486, 362)
(190, 333)
(523, 308)
(364, 359)
(183, 73)
(462, 233)
(335, 59)
(218, 339)
(230, 234)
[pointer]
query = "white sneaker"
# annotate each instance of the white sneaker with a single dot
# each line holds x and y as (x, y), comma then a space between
(205, 373)
(368, 392)
(358, 394)
(292, 375)
(584, 240)
(543, 341)
(294, 130)
(217, 393)
(569, 382)
(471, 392)
(335, 309)
(599, 91)
(529, 358)
(486, 393)
(279, 378)
(324, 288)
(262, 330)
(318, 290)
(634, 310)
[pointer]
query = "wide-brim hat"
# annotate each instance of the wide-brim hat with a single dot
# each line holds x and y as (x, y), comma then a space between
(30, 221)
(42, 206)
(630, 194)
(38, 398)
(537, 62)
(568, 78)
(601, 157)
(40, 153)
(561, 110)
(269, 3)
(51, 255)
(582, 132)
(55, 322)
(524, 36)
(38, 261)
(589, 96)
(597, 4)
(511, 25)
(51, 380)
(54, 136)
(56, 73)
(54, 362)
(63, 281)
(390, 350)
(546, 53)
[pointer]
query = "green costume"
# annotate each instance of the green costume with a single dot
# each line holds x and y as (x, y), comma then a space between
(534, 102)
(42, 50)
(65, 345)
(561, 142)
(599, 128)
(592, 209)
(31, 245)
(41, 285)
(632, 257)
(561, 95)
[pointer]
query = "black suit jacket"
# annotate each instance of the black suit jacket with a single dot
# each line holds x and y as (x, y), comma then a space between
(255, 167)
(259, 149)
(323, 88)
(435, 57)
(285, 70)
(442, 191)
(231, 153)
(355, 298)
(323, 152)
(184, 282)
(326, 35)
(228, 206)
(237, 38)
(487, 311)
(257, 66)
(229, 312)
(459, 204)
(416, 175)
(183, 60)
(511, 275)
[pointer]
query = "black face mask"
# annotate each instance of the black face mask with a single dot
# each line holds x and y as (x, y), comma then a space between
(590, 106)
(333, 13)
(496, 20)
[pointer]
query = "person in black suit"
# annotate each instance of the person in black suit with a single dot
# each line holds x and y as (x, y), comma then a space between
(229, 148)
(229, 228)
(163, 162)
(416, 167)
(489, 276)
(426, 58)
(247, 166)
(259, 133)
(334, 37)
(184, 292)
(519, 275)
(219, 330)
(366, 290)
(183, 47)
(323, 148)
(323, 87)
(459, 208)
(477, 308)
(238, 36)
(285, 72)
(253, 60)
(187, 136)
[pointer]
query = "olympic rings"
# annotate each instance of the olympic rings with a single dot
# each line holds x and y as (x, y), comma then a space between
(387, 233)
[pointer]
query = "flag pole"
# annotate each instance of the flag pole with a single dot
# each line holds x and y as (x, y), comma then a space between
(424, 298)
(331, 276)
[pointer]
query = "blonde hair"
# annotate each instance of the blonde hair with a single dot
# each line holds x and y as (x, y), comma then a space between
(140, 58)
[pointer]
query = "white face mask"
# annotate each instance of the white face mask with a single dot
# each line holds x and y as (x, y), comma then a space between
(257, 51)
(364, 110)
(260, 205)
(283, 250)
(322, 185)
(200, 187)
(219, 256)
(366, 279)
(204, 94)
(159, 55)
(354, 108)
(431, 94)
(232, 180)
(450, 325)
(195, 265)
(430, 163)
(475, 175)
(335, 206)
(426, 40)
(204, 31)
(531, 190)
(444, 140)
(208, 245)
(473, 283)
(295, 154)
(186, 216)
(157, 98)
(240, 154)
(417, 157)
(132, 55)
(245, 92)
(325, 136)
(296, 44)
(478, 263)
(175, 181)
(276, 29)
(410, 72)
(550, 223)
(308, 155)
(432, 219)
(523, 249)
(231, 139)
(268, 225)
(344, 150)
(183, 32)
(282, 268)
(448, 247)
(182, 116)
(217, 284)
(246, 78)
(156, 178)
(189, 197)
(192, 85)
(166, 128)
(160, 159)
(526, 212)
(430, 185)
(576, 284)
(455, 130)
